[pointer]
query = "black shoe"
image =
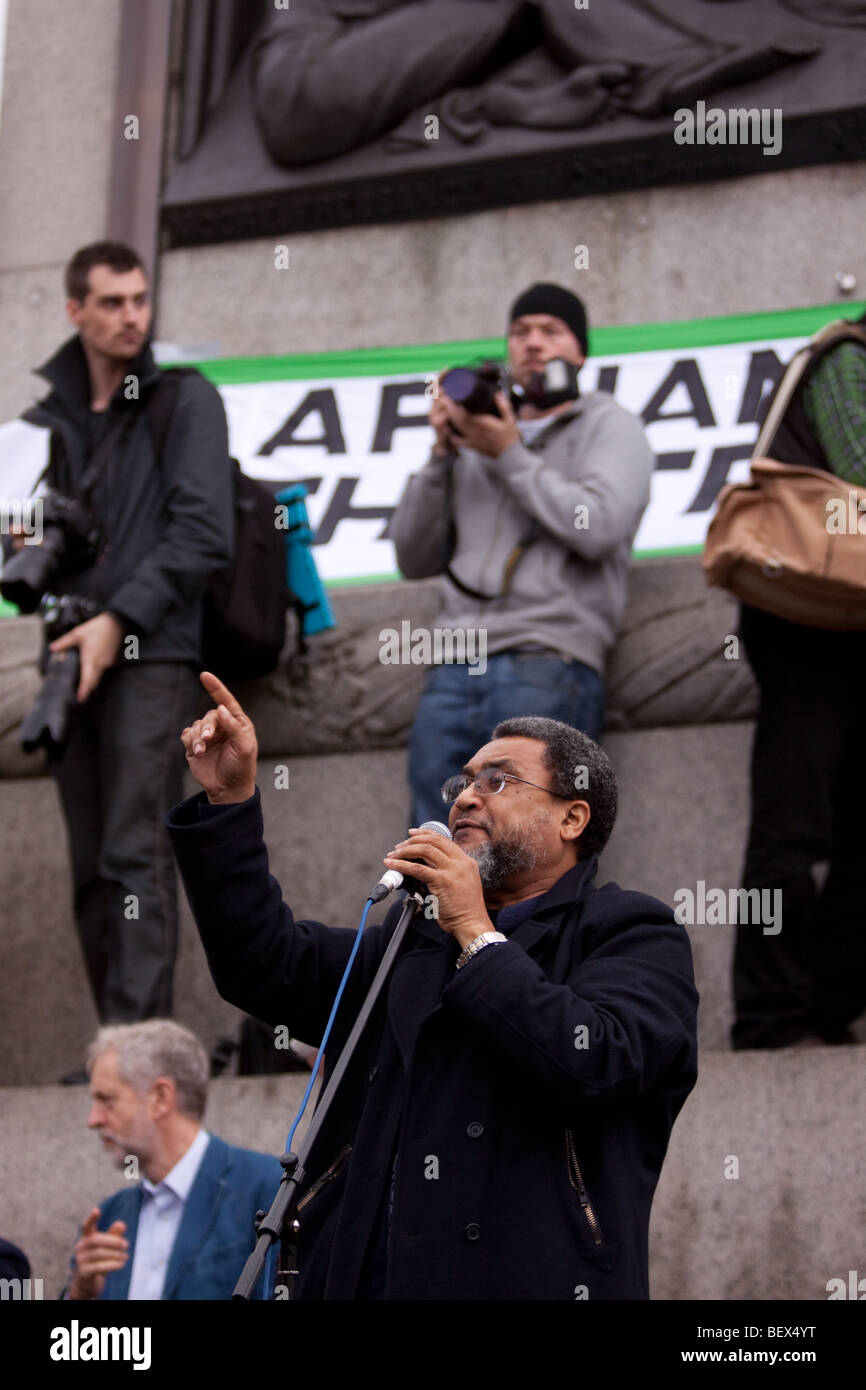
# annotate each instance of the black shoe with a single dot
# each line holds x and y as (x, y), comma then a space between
(75, 1078)
(840, 1037)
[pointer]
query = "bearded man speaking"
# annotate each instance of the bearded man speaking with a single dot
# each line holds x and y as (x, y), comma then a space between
(500, 1129)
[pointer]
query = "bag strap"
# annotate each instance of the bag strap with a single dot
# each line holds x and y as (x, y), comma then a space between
(95, 464)
(101, 455)
(160, 405)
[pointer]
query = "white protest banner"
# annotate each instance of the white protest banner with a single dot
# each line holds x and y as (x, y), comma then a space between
(352, 425)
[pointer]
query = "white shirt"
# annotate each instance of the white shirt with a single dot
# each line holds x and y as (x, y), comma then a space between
(159, 1221)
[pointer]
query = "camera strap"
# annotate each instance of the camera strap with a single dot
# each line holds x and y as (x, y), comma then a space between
(97, 461)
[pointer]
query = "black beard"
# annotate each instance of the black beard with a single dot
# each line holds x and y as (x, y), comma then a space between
(500, 861)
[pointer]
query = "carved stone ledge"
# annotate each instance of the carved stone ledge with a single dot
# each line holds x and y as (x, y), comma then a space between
(668, 668)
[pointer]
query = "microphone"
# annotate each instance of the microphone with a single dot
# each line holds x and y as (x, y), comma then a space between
(392, 879)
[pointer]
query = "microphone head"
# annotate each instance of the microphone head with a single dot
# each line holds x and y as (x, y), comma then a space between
(392, 879)
(439, 826)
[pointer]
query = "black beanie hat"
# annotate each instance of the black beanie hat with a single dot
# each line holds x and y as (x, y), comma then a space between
(553, 299)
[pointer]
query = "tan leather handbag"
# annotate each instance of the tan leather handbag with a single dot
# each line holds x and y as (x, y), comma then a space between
(792, 540)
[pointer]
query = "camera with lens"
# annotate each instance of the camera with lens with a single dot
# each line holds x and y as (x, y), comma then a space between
(47, 724)
(69, 544)
(69, 541)
(475, 388)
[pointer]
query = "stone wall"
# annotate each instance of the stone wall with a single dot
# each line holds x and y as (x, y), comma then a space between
(58, 102)
(734, 246)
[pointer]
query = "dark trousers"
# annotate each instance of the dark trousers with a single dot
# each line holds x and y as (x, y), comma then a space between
(807, 835)
(120, 772)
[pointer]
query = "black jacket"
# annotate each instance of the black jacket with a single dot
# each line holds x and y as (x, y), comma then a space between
(526, 1161)
(167, 523)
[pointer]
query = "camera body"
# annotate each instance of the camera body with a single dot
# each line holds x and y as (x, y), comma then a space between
(70, 541)
(475, 388)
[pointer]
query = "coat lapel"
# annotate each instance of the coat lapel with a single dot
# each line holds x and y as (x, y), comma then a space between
(200, 1212)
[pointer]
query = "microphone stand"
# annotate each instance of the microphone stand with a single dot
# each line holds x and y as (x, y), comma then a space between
(277, 1223)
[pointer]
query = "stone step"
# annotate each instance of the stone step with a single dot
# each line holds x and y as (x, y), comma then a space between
(760, 1197)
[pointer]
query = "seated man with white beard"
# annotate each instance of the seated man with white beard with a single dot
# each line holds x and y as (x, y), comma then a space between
(501, 1126)
(185, 1230)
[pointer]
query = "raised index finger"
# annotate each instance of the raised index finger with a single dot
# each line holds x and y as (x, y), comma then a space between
(221, 693)
(89, 1225)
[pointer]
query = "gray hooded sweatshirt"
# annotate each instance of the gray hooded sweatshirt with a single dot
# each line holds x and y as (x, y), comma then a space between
(574, 498)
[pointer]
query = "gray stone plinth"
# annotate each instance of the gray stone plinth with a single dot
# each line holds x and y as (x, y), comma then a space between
(59, 79)
(683, 817)
(654, 255)
(794, 1216)
(668, 667)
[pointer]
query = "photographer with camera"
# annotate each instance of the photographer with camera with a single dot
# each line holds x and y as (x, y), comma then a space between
(131, 533)
(528, 507)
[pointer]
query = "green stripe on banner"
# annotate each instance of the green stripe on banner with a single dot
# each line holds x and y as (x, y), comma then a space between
(354, 580)
(604, 342)
(665, 553)
(8, 610)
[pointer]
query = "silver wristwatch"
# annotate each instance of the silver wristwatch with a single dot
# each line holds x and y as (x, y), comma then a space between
(487, 938)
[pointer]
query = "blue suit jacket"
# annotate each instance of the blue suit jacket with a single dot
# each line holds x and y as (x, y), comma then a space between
(216, 1231)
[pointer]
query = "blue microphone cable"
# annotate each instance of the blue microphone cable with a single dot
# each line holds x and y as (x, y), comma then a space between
(327, 1033)
(271, 1257)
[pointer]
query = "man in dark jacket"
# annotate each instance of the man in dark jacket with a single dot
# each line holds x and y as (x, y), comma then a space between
(164, 525)
(500, 1130)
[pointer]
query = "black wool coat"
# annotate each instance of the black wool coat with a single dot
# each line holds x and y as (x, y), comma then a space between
(528, 1097)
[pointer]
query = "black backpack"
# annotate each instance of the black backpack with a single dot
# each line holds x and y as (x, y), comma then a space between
(244, 625)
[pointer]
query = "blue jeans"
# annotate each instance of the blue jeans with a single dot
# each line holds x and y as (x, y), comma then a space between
(458, 711)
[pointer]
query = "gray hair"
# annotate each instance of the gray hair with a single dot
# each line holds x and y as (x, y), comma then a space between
(157, 1047)
(579, 769)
